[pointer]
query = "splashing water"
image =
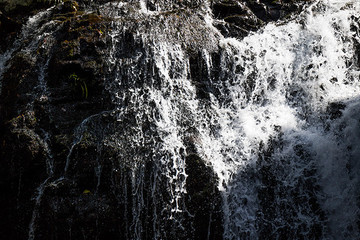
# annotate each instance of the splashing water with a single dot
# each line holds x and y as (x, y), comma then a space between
(279, 84)
(31, 29)
(265, 129)
(276, 115)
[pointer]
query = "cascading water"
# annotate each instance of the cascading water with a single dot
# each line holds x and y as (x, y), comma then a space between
(271, 122)
(286, 172)
(30, 30)
(267, 134)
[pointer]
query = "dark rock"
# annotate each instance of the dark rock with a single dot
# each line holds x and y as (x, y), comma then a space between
(33, 120)
(23, 156)
(75, 160)
(203, 200)
(20, 10)
(242, 17)
(239, 19)
(17, 83)
(335, 109)
(9, 29)
(303, 195)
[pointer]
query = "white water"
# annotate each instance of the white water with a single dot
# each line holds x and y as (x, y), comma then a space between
(276, 86)
(35, 35)
(292, 67)
(31, 30)
(269, 113)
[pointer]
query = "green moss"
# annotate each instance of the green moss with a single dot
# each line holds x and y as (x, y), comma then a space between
(79, 83)
(25, 119)
(86, 191)
(70, 47)
(71, 52)
(71, 6)
(93, 18)
(87, 139)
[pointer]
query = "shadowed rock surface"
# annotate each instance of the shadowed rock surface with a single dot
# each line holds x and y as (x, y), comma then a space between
(83, 153)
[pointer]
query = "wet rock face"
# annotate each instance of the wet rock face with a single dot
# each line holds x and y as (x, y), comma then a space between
(202, 187)
(38, 121)
(68, 166)
(301, 195)
(8, 30)
(241, 17)
(10, 5)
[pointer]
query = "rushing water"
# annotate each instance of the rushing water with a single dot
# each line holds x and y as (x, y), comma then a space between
(279, 122)
(287, 165)
(280, 85)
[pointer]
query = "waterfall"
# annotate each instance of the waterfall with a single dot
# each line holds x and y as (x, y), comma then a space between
(281, 157)
(174, 131)
(265, 127)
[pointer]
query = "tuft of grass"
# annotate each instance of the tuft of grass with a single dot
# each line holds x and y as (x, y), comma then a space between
(79, 82)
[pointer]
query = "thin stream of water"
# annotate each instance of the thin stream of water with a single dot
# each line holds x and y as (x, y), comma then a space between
(285, 165)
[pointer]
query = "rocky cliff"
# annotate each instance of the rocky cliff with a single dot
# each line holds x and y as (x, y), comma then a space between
(85, 152)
